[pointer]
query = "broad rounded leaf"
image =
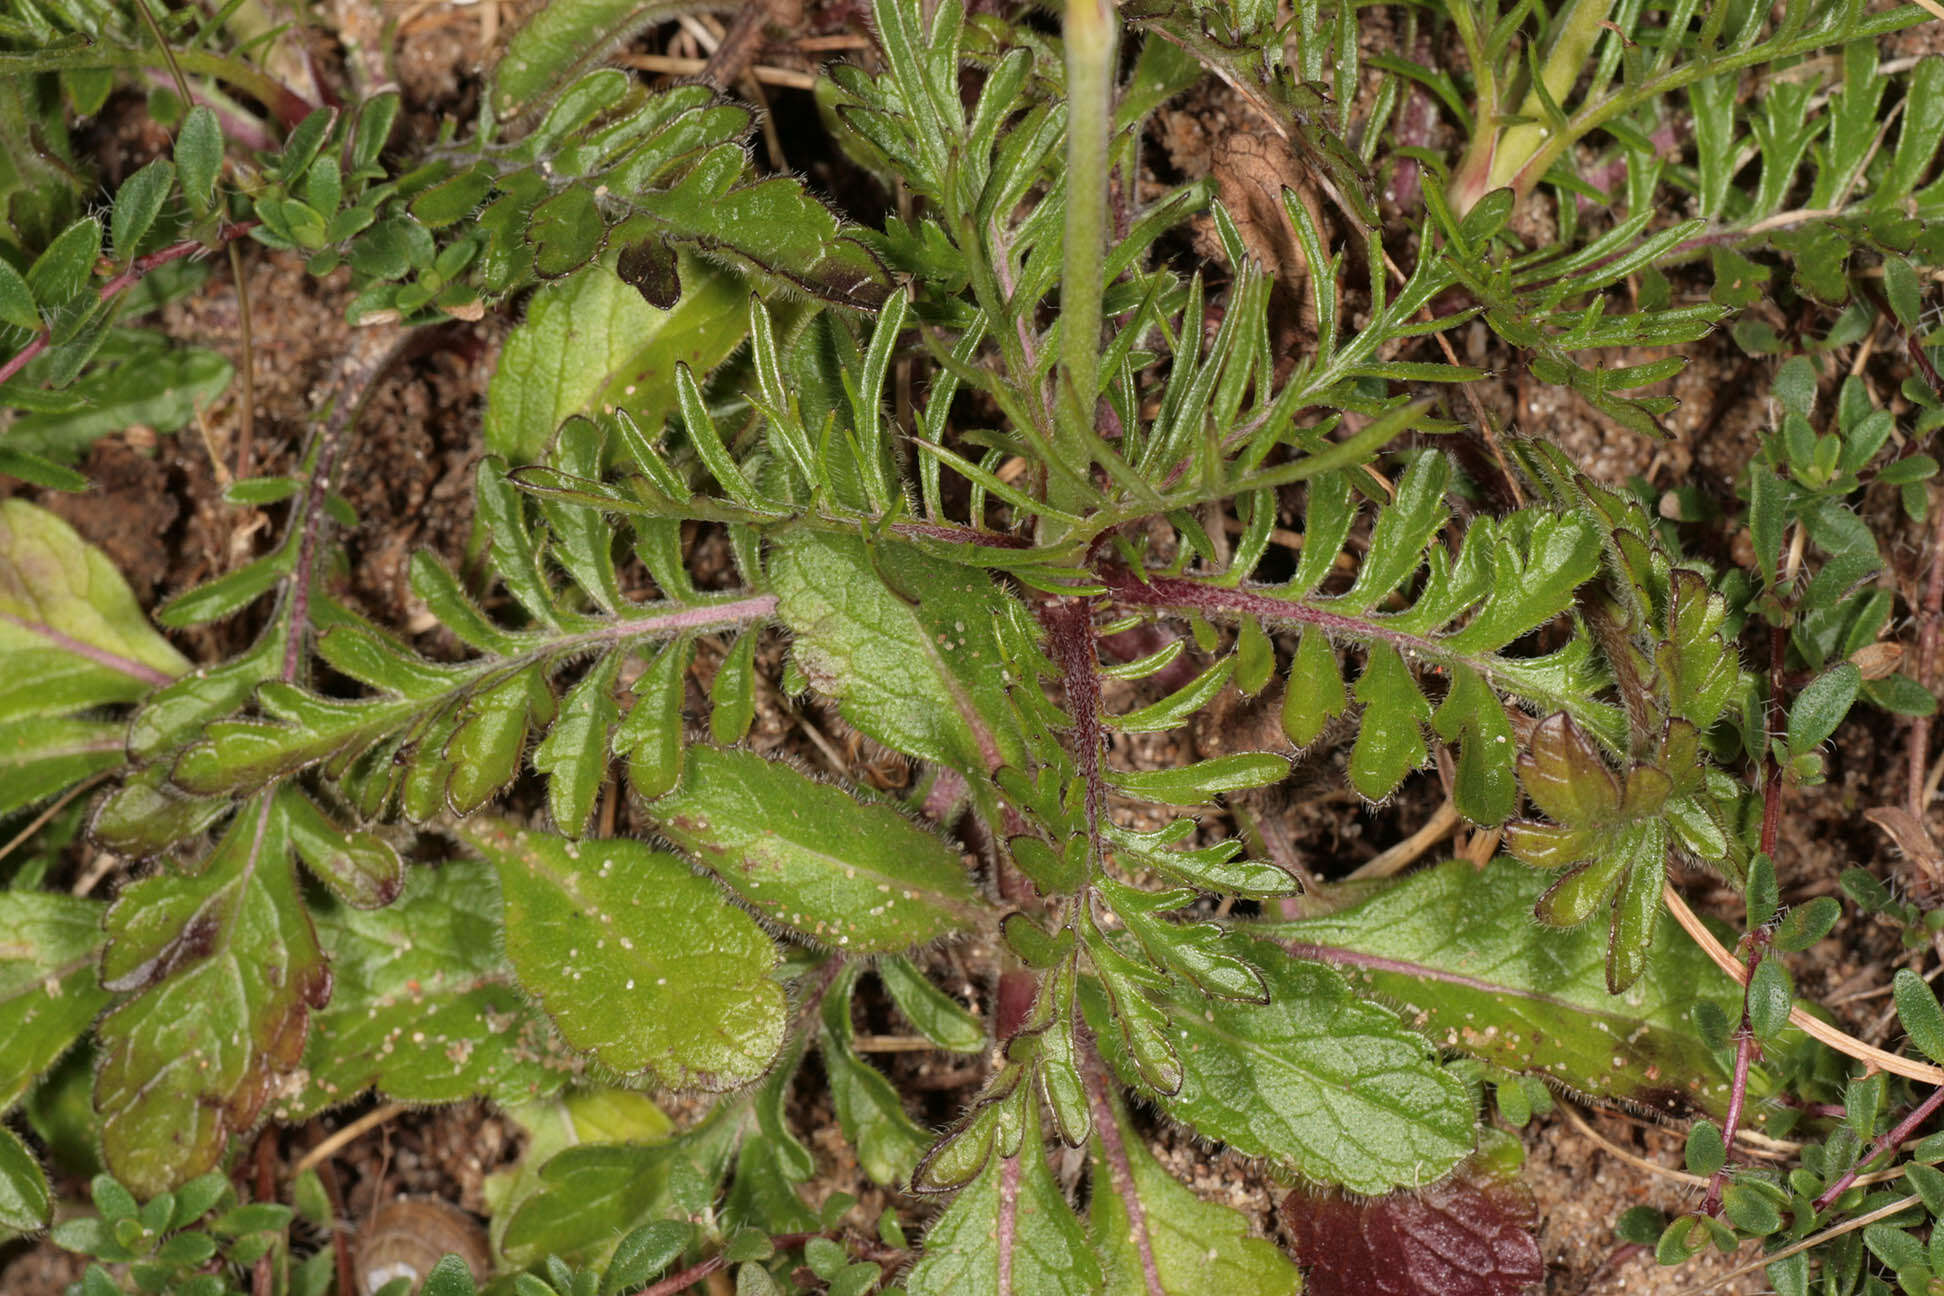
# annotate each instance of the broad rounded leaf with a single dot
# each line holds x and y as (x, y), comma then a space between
(924, 676)
(425, 1006)
(59, 594)
(1331, 1086)
(590, 342)
(1453, 947)
(638, 961)
(1471, 1235)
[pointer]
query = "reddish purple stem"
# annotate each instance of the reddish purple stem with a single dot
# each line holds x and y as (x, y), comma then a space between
(137, 268)
(1894, 1139)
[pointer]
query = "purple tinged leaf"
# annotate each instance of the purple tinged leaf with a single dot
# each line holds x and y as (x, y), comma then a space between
(1009, 1231)
(1471, 1235)
(61, 595)
(1196, 1246)
(361, 868)
(223, 969)
(1572, 899)
(995, 1120)
(1548, 846)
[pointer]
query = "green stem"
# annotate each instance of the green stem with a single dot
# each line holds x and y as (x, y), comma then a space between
(1496, 159)
(1598, 111)
(288, 106)
(1091, 31)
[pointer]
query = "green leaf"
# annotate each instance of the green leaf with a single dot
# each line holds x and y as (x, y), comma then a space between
(887, 1142)
(1314, 694)
(224, 969)
(17, 300)
(645, 1255)
(1821, 706)
(158, 387)
(61, 271)
(574, 754)
(1390, 736)
(1049, 1255)
(590, 343)
(1323, 1083)
(1452, 948)
(592, 1194)
(1806, 924)
(937, 1016)
(636, 959)
(562, 40)
(25, 1204)
(732, 693)
(425, 1008)
(1203, 781)
(925, 676)
(227, 594)
(1197, 1245)
(809, 857)
(566, 231)
(199, 157)
(1917, 1009)
(137, 203)
(39, 470)
(1770, 996)
(650, 735)
(43, 756)
(49, 993)
(1795, 385)
(67, 611)
(489, 736)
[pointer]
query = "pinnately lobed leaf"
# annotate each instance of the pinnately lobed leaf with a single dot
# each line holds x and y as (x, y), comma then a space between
(637, 960)
(810, 857)
(1330, 1086)
(1045, 1251)
(223, 969)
